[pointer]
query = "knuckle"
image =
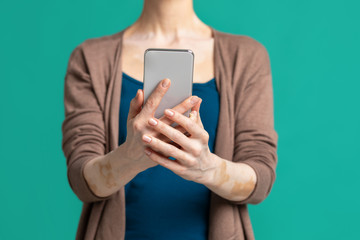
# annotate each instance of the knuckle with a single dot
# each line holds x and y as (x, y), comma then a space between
(171, 150)
(192, 163)
(177, 136)
(151, 103)
(188, 124)
(205, 137)
(196, 151)
(136, 125)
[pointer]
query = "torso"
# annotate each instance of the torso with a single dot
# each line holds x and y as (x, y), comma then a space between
(133, 55)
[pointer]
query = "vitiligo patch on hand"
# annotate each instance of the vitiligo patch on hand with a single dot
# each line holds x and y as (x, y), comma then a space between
(192, 115)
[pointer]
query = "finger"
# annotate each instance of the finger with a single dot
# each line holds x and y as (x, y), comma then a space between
(154, 99)
(182, 108)
(135, 104)
(172, 165)
(197, 106)
(166, 149)
(198, 118)
(193, 116)
(184, 121)
(175, 144)
(173, 134)
(166, 139)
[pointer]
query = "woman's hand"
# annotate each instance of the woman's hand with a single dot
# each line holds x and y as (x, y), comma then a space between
(138, 118)
(194, 161)
(106, 174)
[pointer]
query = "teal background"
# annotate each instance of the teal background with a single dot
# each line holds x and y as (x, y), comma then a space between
(314, 51)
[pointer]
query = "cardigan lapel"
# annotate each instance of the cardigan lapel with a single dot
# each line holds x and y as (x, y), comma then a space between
(221, 226)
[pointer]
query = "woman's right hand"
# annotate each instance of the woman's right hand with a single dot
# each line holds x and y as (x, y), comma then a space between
(137, 122)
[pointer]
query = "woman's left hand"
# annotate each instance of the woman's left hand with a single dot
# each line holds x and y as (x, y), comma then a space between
(193, 158)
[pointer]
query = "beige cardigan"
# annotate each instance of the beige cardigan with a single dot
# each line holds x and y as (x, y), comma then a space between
(245, 129)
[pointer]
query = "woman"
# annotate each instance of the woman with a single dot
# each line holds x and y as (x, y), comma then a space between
(224, 155)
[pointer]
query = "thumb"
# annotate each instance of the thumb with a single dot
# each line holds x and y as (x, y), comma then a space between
(197, 117)
(135, 104)
(197, 106)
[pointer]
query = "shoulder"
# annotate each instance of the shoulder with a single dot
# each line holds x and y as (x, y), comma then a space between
(99, 48)
(96, 56)
(102, 44)
(237, 45)
(96, 51)
(243, 57)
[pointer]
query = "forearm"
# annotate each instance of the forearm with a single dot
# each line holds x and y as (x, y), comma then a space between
(107, 174)
(234, 181)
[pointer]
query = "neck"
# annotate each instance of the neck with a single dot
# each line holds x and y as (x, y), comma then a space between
(168, 20)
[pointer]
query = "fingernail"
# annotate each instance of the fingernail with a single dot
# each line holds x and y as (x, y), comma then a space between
(152, 122)
(146, 138)
(194, 99)
(169, 112)
(165, 82)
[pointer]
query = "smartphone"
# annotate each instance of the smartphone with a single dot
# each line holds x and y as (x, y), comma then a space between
(175, 64)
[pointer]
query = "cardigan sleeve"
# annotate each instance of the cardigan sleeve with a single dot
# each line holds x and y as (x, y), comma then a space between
(83, 127)
(255, 136)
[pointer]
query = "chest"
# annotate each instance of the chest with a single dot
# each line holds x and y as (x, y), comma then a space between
(132, 57)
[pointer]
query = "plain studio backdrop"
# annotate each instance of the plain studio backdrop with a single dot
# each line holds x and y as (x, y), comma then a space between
(314, 51)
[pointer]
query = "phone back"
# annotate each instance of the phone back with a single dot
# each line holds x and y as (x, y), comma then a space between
(175, 64)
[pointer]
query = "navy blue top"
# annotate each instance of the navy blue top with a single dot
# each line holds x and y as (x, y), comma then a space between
(159, 203)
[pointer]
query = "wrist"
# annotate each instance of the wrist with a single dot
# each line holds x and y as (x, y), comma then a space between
(121, 162)
(213, 172)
